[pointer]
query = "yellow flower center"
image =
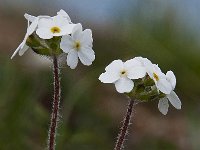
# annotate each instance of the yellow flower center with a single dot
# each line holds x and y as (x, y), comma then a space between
(123, 73)
(155, 76)
(55, 30)
(77, 45)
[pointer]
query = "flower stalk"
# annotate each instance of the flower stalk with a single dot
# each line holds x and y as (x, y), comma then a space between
(124, 129)
(56, 102)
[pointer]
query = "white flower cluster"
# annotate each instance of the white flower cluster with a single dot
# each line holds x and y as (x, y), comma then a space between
(75, 42)
(124, 74)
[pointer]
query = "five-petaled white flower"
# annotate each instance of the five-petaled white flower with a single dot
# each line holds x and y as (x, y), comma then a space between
(172, 97)
(55, 26)
(121, 74)
(78, 45)
(159, 78)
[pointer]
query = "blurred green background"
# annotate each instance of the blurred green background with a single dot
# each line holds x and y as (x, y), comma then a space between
(166, 32)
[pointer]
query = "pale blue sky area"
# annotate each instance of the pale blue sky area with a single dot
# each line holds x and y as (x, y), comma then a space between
(102, 11)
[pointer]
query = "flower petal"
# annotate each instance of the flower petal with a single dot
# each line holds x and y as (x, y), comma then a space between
(171, 78)
(144, 61)
(109, 77)
(77, 32)
(134, 69)
(23, 50)
(60, 21)
(115, 66)
(132, 63)
(29, 17)
(64, 14)
(124, 85)
(33, 26)
(67, 29)
(164, 86)
(174, 100)
(136, 72)
(163, 106)
(86, 38)
(66, 43)
(86, 56)
(17, 50)
(44, 33)
(72, 59)
(45, 23)
(152, 68)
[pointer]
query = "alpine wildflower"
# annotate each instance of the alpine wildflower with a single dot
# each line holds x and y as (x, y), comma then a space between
(121, 74)
(78, 45)
(172, 97)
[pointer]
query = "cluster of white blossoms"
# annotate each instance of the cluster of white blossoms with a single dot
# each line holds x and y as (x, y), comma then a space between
(75, 42)
(131, 77)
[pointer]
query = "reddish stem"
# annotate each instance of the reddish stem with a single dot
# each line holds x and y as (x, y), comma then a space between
(124, 129)
(56, 102)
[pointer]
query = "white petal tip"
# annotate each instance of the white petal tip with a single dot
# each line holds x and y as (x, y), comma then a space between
(101, 77)
(13, 56)
(120, 91)
(164, 114)
(72, 67)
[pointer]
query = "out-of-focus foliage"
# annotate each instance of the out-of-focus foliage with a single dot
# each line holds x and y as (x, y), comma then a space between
(91, 112)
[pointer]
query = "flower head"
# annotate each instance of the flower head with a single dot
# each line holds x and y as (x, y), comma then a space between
(54, 26)
(163, 104)
(143, 81)
(45, 27)
(159, 78)
(121, 74)
(78, 45)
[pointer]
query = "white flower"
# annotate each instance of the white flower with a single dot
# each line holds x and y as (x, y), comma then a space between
(32, 25)
(172, 97)
(159, 78)
(22, 48)
(54, 26)
(121, 73)
(62, 20)
(78, 45)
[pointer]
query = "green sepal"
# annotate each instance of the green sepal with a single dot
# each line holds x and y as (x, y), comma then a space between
(145, 90)
(147, 81)
(49, 47)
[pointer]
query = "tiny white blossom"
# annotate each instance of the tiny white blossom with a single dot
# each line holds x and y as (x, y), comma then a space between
(78, 45)
(172, 97)
(31, 28)
(120, 73)
(54, 26)
(159, 78)
(58, 25)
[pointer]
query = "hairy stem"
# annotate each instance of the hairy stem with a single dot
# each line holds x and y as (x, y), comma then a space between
(55, 110)
(124, 129)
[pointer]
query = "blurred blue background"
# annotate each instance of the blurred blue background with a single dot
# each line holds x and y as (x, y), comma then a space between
(166, 32)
